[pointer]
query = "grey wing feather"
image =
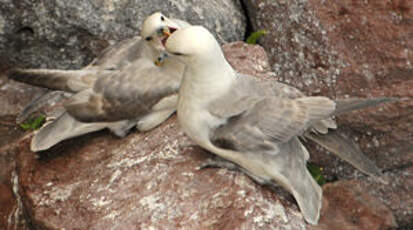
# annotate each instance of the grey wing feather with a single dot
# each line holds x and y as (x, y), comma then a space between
(119, 55)
(290, 170)
(64, 80)
(350, 104)
(113, 58)
(128, 94)
(66, 127)
(284, 164)
(346, 150)
(275, 119)
(62, 128)
(247, 91)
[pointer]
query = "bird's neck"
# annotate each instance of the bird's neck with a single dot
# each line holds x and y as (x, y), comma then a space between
(204, 82)
(201, 85)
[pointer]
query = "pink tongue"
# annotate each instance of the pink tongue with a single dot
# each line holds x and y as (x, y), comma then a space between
(171, 29)
(164, 41)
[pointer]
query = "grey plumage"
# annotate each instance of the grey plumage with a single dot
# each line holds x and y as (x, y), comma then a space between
(120, 89)
(254, 124)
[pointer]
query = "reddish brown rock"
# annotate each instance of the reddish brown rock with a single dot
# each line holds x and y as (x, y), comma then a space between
(151, 180)
(143, 181)
(247, 59)
(14, 95)
(350, 48)
(11, 209)
(98, 181)
(348, 206)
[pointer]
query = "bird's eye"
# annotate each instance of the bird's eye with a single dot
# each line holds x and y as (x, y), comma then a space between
(178, 54)
(162, 18)
(148, 38)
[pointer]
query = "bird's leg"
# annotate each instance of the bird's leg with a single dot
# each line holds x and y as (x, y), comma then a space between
(218, 162)
(159, 61)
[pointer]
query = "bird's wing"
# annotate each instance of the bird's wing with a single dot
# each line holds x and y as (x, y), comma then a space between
(64, 80)
(118, 55)
(286, 167)
(113, 58)
(265, 126)
(248, 90)
(259, 109)
(271, 121)
(346, 150)
(128, 94)
(62, 128)
(289, 169)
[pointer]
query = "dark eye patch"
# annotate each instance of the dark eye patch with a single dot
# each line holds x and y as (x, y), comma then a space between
(148, 38)
(162, 18)
(178, 54)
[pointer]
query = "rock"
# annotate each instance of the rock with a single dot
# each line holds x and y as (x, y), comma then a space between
(151, 180)
(349, 48)
(247, 59)
(67, 34)
(144, 180)
(347, 206)
(11, 209)
(14, 95)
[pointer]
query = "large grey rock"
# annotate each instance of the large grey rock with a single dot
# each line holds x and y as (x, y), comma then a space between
(68, 34)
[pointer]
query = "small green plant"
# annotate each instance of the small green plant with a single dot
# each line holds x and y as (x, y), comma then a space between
(33, 123)
(316, 172)
(252, 39)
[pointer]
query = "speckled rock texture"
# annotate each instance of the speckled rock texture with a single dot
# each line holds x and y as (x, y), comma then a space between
(152, 181)
(344, 48)
(14, 95)
(146, 180)
(68, 34)
(347, 206)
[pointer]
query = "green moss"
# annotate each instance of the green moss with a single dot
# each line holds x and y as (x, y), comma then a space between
(34, 123)
(252, 39)
(316, 172)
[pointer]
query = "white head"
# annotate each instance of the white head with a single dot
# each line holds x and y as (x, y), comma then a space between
(156, 28)
(194, 44)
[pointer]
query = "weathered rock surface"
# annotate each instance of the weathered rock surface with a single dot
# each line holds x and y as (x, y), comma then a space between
(14, 95)
(141, 181)
(350, 48)
(347, 206)
(68, 34)
(151, 179)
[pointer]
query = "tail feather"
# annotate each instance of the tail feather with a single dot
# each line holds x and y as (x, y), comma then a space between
(65, 80)
(350, 104)
(301, 184)
(62, 128)
(287, 168)
(347, 151)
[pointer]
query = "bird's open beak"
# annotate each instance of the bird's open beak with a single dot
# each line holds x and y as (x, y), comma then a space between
(166, 31)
